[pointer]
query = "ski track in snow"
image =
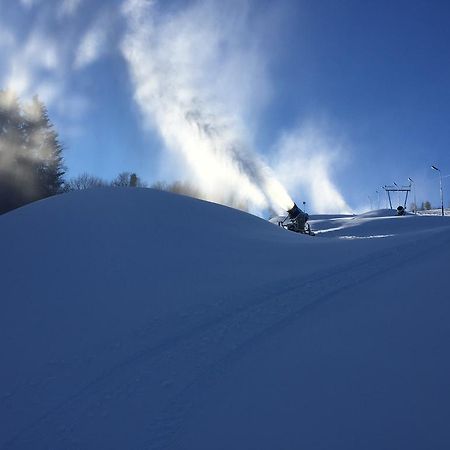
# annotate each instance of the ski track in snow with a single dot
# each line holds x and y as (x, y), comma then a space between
(181, 366)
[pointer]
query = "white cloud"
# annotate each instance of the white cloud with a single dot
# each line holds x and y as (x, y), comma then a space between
(29, 63)
(36, 63)
(29, 3)
(7, 39)
(73, 107)
(92, 45)
(68, 8)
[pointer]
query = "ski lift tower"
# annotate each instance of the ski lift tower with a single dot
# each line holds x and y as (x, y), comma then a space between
(396, 188)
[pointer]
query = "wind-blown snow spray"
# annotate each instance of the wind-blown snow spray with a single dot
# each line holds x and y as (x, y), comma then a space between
(236, 163)
(305, 159)
(182, 75)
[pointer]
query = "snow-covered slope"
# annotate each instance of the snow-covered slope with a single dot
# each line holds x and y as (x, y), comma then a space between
(137, 319)
(434, 212)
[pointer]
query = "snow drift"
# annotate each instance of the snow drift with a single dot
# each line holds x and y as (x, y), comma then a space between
(131, 318)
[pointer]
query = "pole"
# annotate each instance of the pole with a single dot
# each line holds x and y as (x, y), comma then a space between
(389, 196)
(440, 188)
(398, 191)
(413, 185)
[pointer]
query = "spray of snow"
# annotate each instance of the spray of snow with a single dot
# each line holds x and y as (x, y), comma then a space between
(305, 159)
(194, 83)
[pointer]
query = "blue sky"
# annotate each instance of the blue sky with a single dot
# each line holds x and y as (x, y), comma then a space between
(339, 97)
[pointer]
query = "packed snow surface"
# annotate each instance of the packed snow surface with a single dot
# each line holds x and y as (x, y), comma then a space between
(137, 319)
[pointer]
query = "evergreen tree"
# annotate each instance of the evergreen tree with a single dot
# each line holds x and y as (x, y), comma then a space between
(44, 149)
(12, 147)
(31, 162)
(127, 179)
(133, 180)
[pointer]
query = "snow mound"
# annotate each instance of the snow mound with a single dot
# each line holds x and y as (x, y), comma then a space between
(133, 318)
(380, 213)
(383, 223)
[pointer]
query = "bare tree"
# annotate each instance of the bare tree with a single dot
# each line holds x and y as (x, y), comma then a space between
(122, 180)
(127, 179)
(84, 181)
(184, 188)
(160, 186)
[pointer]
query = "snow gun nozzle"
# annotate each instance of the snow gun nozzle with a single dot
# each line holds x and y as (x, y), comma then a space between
(294, 212)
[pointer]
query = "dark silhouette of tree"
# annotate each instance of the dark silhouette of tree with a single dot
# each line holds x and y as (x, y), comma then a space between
(42, 140)
(127, 179)
(122, 180)
(136, 181)
(84, 181)
(426, 205)
(31, 162)
(160, 186)
(184, 188)
(133, 180)
(11, 146)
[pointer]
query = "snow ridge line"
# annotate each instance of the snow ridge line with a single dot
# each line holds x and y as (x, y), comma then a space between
(273, 310)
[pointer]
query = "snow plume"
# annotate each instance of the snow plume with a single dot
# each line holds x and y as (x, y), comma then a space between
(195, 82)
(304, 160)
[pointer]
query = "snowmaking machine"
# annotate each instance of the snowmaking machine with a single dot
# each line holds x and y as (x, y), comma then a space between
(296, 221)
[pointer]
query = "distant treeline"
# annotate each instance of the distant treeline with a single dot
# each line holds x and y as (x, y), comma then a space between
(425, 206)
(127, 179)
(87, 181)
